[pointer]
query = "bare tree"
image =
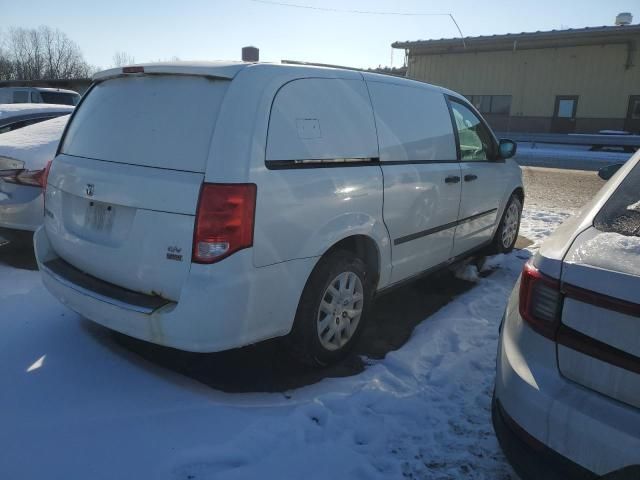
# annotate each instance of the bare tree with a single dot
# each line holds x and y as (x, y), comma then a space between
(44, 53)
(6, 65)
(120, 59)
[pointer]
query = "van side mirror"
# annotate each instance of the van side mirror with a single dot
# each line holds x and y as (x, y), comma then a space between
(607, 172)
(507, 148)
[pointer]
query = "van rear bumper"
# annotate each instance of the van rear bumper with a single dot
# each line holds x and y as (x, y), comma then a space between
(222, 306)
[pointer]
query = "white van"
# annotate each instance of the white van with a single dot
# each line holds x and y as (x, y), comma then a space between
(206, 206)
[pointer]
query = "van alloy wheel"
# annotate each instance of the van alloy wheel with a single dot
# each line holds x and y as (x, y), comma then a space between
(511, 223)
(340, 310)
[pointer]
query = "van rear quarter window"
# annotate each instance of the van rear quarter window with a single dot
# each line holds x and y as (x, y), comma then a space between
(163, 121)
(321, 119)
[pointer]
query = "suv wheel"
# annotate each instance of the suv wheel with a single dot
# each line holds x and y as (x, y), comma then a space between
(332, 310)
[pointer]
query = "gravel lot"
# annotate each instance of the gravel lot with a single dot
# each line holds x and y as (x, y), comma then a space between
(554, 188)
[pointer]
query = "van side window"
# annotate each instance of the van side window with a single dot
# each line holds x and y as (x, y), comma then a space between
(35, 98)
(412, 123)
(20, 96)
(475, 140)
(321, 120)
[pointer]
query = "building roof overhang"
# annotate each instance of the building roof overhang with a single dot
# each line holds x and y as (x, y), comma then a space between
(526, 40)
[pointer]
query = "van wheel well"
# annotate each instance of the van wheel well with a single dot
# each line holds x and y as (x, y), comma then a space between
(363, 247)
(519, 192)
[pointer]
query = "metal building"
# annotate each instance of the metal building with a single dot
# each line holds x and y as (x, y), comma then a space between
(575, 80)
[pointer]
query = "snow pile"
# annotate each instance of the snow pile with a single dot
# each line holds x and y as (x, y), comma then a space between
(467, 272)
(610, 251)
(35, 144)
(634, 206)
(77, 405)
(536, 225)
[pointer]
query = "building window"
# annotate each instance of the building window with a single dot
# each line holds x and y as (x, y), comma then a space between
(496, 104)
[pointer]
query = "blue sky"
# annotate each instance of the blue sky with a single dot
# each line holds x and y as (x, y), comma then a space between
(216, 29)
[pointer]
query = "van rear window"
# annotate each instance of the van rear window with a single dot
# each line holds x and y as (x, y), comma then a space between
(621, 213)
(163, 121)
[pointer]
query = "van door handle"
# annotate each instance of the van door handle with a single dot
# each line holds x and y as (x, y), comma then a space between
(452, 179)
(470, 178)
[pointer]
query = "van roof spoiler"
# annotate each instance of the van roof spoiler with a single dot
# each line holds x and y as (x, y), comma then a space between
(226, 70)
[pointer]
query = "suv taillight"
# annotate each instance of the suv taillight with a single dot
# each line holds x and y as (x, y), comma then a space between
(540, 301)
(224, 221)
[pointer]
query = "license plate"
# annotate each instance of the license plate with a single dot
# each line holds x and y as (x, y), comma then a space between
(99, 216)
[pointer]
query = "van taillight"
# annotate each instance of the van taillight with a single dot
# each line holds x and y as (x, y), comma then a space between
(540, 301)
(224, 221)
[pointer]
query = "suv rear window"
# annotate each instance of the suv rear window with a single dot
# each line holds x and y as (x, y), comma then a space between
(20, 96)
(621, 213)
(60, 98)
(163, 121)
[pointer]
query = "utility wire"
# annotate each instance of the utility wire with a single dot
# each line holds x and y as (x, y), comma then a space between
(340, 10)
(364, 12)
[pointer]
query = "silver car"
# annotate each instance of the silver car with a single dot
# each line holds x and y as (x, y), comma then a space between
(567, 391)
(24, 158)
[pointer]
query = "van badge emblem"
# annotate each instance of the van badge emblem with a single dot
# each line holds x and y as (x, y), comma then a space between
(174, 253)
(89, 189)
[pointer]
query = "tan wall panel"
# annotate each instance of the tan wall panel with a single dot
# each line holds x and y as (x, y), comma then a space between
(597, 74)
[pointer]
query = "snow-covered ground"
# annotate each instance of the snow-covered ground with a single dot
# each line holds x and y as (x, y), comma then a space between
(76, 405)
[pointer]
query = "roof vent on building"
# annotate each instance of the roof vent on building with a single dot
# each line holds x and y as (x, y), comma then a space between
(624, 18)
(250, 54)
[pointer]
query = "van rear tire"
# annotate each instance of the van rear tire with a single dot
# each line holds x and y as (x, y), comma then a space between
(332, 311)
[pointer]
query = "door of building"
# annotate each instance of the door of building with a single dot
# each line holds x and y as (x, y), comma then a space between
(632, 122)
(564, 114)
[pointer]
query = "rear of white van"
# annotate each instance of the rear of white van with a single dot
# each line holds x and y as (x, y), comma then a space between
(127, 240)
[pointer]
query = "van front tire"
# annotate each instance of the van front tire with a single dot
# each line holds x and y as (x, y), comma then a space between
(507, 232)
(332, 311)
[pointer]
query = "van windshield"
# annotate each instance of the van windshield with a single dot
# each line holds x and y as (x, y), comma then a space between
(163, 121)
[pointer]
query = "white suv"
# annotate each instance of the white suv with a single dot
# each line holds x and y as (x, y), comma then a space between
(567, 397)
(56, 96)
(206, 206)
